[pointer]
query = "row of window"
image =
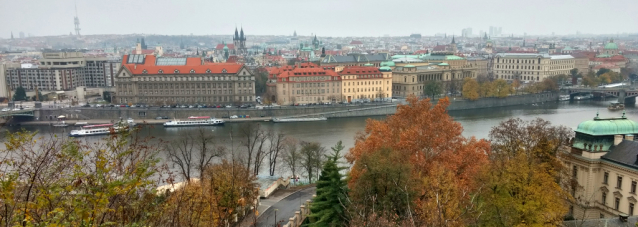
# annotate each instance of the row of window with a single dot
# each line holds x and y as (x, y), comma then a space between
(166, 100)
(617, 204)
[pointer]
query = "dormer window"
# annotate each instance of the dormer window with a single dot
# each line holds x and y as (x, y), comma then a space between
(192, 71)
(224, 71)
(207, 70)
(144, 71)
(176, 71)
(160, 72)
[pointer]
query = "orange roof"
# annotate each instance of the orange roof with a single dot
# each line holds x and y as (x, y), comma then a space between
(194, 64)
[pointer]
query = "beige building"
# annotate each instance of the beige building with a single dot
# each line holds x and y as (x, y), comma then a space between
(366, 83)
(581, 62)
(481, 64)
(307, 84)
(603, 159)
(530, 66)
(146, 79)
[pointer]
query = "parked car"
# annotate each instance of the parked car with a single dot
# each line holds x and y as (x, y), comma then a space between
(229, 106)
(161, 117)
(234, 116)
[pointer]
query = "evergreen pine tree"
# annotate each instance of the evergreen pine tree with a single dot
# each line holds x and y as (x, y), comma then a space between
(20, 94)
(327, 209)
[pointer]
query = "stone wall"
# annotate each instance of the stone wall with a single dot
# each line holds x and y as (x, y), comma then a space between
(327, 111)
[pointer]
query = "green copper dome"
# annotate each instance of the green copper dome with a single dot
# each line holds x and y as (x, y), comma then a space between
(387, 63)
(610, 126)
(385, 69)
(444, 64)
(611, 45)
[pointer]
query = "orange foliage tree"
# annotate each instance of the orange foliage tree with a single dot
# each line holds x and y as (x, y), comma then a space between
(444, 162)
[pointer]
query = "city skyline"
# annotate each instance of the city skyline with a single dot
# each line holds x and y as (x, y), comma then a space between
(328, 18)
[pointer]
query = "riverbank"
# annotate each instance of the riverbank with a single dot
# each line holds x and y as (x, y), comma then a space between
(71, 123)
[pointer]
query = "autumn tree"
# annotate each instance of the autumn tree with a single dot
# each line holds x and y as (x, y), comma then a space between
(523, 181)
(445, 163)
(486, 89)
(501, 89)
(385, 190)
(53, 181)
(516, 83)
(226, 190)
(254, 140)
(328, 207)
(470, 89)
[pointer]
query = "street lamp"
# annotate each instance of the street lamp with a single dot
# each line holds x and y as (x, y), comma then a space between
(276, 216)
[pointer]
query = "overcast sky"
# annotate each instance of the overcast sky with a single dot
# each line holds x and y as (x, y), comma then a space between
(325, 18)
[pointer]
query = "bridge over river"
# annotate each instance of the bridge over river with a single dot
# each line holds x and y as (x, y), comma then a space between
(624, 94)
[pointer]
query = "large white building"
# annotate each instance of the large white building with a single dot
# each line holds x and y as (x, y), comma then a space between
(62, 71)
(531, 66)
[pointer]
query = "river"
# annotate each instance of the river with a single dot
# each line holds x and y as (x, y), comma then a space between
(475, 122)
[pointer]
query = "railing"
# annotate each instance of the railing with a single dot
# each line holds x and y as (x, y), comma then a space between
(297, 219)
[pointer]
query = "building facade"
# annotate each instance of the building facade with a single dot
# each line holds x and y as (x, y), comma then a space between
(411, 80)
(355, 59)
(603, 160)
(62, 71)
(366, 83)
(530, 67)
(304, 83)
(146, 79)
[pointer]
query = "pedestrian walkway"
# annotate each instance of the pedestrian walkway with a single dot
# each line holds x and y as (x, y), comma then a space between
(281, 198)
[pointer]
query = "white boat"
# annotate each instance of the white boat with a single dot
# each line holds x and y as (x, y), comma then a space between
(282, 120)
(194, 121)
(81, 123)
(564, 98)
(61, 124)
(94, 130)
(130, 122)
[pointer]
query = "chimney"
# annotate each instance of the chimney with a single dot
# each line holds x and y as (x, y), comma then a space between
(617, 139)
(629, 137)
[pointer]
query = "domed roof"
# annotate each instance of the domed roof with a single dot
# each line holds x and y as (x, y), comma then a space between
(611, 45)
(385, 69)
(388, 63)
(610, 126)
(225, 47)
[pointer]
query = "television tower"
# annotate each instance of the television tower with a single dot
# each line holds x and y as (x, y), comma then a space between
(76, 21)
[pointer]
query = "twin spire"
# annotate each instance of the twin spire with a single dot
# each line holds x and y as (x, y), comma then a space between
(239, 35)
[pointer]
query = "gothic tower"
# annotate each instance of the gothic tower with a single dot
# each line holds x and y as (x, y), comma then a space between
(240, 42)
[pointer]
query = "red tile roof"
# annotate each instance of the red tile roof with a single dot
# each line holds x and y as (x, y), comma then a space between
(356, 70)
(356, 42)
(191, 64)
(221, 46)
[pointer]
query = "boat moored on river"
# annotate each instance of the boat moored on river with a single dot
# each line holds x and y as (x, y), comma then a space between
(616, 106)
(195, 121)
(94, 130)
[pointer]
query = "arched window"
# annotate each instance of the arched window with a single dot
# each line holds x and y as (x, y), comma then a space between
(160, 72)
(176, 71)
(144, 71)
(224, 71)
(192, 71)
(207, 70)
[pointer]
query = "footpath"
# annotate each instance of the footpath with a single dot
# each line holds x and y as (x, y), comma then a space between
(279, 199)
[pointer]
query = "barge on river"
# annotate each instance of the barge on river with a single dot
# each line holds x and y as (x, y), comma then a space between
(195, 121)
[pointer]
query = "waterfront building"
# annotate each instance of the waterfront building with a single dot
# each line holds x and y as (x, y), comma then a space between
(62, 71)
(531, 67)
(410, 73)
(304, 83)
(147, 79)
(366, 83)
(581, 62)
(603, 159)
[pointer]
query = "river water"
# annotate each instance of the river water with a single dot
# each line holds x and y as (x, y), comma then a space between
(475, 122)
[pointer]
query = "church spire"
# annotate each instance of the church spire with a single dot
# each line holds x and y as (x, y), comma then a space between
(236, 37)
(12, 35)
(241, 34)
(485, 37)
(453, 39)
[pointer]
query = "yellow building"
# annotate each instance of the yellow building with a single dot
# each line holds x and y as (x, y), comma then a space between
(366, 83)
